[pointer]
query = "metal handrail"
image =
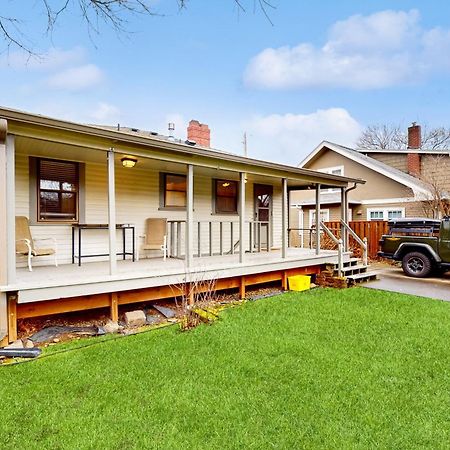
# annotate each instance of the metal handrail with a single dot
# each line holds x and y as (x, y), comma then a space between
(361, 242)
(339, 245)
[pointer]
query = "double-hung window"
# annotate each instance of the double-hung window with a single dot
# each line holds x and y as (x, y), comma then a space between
(225, 197)
(173, 193)
(57, 190)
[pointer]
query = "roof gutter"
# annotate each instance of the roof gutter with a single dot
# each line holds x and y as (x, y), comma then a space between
(116, 137)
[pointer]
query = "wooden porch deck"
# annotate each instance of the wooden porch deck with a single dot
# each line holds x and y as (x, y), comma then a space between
(51, 290)
(70, 280)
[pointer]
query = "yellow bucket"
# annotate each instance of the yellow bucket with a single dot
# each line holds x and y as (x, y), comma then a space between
(299, 282)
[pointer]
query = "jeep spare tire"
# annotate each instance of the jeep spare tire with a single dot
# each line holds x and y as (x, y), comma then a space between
(416, 264)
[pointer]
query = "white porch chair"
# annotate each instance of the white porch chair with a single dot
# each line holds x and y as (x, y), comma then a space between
(155, 237)
(25, 244)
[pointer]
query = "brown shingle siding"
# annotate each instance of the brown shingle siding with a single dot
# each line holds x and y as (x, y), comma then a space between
(398, 161)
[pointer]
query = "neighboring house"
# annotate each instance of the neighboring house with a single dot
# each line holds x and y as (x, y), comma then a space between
(227, 216)
(398, 183)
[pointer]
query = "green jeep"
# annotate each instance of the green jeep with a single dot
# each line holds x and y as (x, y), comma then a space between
(422, 245)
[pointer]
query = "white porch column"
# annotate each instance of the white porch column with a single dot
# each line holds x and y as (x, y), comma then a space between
(112, 213)
(4, 227)
(11, 207)
(189, 215)
(317, 219)
(3, 207)
(284, 214)
(241, 216)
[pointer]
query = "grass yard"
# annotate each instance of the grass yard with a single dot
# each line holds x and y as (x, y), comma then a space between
(323, 369)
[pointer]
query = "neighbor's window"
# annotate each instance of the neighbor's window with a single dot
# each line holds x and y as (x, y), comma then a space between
(174, 187)
(385, 213)
(324, 216)
(57, 185)
(395, 214)
(338, 170)
(376, 215)
(226, 196)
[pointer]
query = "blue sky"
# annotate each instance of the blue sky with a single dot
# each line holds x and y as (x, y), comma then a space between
(324, 70)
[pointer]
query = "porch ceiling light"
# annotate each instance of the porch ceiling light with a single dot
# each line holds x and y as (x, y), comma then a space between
(225, 184)
(129, 161)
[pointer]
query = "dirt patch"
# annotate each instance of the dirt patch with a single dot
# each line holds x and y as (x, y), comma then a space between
(99, 317)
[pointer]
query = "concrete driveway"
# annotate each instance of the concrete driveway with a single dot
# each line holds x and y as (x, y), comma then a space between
(392, 278)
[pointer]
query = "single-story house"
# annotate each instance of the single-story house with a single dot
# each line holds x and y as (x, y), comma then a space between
(92, 193)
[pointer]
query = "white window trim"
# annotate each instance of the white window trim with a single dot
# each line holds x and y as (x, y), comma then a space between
(385, 212)
(322, 211)
(329, 170)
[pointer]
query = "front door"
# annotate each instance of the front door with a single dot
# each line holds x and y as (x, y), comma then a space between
(263, 215)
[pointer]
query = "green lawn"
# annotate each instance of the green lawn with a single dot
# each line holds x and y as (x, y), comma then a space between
(324, 369)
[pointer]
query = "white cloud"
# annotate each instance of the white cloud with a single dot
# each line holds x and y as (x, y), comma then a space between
(288, 138)
(105, 113)
(76, 78)
(363, 52)
(53, 59)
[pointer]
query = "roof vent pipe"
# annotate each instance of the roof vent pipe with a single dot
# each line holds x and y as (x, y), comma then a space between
(171, 128)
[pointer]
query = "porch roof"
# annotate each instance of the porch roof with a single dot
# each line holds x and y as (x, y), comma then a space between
(99, 138)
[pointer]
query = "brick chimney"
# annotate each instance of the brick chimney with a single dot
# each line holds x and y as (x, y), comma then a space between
(199, 132)
(414, 143)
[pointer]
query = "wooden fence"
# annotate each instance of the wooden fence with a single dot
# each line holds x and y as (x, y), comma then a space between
(372, 230)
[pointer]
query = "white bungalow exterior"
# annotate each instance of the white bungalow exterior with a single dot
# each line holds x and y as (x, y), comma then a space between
(227, 216)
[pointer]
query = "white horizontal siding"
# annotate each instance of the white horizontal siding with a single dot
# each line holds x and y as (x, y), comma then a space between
(137, 198)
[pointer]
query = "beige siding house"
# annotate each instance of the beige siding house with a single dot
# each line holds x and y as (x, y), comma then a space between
(389, 191)
(227, 216)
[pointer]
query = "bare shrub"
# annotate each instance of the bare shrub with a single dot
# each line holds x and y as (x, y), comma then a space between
(198, 300)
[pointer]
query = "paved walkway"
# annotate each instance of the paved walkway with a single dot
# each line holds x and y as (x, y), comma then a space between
(393, 279)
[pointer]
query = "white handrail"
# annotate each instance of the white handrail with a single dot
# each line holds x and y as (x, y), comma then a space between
(339, 245)
(361, 242)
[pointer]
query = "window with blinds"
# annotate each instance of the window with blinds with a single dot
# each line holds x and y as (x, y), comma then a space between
(174, 190)
(57, 186)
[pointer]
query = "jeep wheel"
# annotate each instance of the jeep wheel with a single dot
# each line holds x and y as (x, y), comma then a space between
(416, 264)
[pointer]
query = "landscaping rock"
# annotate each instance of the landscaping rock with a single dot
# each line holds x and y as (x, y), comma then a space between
(49, 333)
(152, 320)
(166, 312)
(135, 319)
(16, 344)
(327, 279)
(28, 343)
(111, 327)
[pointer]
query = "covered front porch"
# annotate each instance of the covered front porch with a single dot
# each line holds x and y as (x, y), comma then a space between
(226, 215)
(70, 280)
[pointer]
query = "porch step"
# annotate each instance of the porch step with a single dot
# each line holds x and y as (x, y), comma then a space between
(351, 262)
(352, 270)
(361, 277)
(355, 271)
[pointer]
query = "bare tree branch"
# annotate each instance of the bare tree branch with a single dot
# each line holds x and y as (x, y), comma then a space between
(382, 137)
(434, 175)
(391, 137)
(94, 13)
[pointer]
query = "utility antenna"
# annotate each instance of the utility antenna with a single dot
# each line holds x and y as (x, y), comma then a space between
(244, 141)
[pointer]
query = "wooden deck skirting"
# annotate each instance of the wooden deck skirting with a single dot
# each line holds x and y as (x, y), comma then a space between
(112, 300)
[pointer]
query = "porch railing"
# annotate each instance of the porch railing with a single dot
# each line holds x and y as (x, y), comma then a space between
(339, 244)
(218, 237)
(361, 242)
